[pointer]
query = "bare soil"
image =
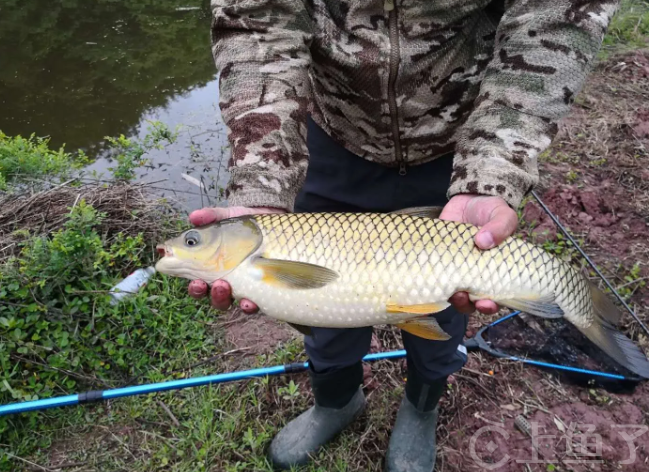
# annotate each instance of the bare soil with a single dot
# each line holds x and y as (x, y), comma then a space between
(596, 180)
(255, 334)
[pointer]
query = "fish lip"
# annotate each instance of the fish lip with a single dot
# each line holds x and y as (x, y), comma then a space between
(164, 250)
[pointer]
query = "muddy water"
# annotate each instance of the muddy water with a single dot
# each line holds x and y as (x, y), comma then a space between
(78, 71)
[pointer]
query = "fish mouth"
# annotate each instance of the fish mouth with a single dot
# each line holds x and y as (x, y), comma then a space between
(164, 251)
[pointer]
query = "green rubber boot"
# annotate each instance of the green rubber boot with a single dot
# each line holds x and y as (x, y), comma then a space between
(413, 445)
(339, 400)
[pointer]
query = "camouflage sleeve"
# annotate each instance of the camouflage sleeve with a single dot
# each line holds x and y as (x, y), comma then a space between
(261, 49)
(544, 50)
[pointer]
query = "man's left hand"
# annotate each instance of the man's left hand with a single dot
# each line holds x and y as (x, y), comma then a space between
(497, 221)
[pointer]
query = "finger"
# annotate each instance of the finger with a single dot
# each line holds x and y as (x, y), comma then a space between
(462, 303)
(248, 307)
(502, 224)
(205, 216)
(486, 307)
(197, 289)
(221, 295)
(454, 209)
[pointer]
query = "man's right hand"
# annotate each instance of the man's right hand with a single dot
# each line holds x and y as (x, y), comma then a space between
(220, 293)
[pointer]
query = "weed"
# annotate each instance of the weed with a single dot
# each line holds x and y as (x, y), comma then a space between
(562, 247)
(629, 28)
(598, 162)
(129, 154)
(22, 159)
(58, 331)
(289, 392)
(633, 281)
(571, 176)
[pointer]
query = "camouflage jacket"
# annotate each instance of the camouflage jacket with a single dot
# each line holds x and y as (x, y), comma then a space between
(400, 82)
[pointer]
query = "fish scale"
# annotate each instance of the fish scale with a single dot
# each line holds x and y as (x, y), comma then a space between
(385, 259)
(345, 270)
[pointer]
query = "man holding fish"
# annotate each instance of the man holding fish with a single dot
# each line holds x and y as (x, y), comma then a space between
(389, 105)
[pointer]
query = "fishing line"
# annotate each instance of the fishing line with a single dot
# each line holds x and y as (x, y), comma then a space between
(588, 259)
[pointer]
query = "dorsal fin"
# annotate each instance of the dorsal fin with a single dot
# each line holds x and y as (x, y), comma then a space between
(422, 211)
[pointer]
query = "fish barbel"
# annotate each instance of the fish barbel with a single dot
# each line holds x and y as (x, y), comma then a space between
(344, 270)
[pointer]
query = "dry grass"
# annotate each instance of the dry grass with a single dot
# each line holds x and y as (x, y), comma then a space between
(129, 209)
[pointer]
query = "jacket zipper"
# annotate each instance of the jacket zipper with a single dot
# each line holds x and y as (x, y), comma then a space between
(391, 7)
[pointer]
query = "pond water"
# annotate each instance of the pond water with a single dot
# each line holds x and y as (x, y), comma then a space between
(79, 70)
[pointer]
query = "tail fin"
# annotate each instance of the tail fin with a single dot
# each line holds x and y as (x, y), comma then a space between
(603, 306)
(606, 336)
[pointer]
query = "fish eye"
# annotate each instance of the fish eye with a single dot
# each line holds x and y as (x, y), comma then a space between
(192, 238)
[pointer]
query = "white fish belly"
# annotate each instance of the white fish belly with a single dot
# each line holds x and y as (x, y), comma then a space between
(346, 303)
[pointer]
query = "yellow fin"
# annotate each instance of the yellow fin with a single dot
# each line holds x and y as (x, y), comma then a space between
(423, 211)
(424, 309)
(427, 328)
(298, 275)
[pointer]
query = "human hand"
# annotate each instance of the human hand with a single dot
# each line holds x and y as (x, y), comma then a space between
(221, 293)
(497, 221)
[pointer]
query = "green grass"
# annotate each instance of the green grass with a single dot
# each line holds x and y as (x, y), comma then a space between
(28, 158)
(59, 334)
(629, 28)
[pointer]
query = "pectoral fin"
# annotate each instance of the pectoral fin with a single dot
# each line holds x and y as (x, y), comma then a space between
(305, 330)
(427, 328)
(423, 211)
(297, 275)
(424, 309)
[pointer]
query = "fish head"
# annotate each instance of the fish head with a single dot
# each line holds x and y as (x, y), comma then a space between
(211, 252)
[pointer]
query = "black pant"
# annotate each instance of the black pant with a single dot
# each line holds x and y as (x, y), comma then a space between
(338, 180)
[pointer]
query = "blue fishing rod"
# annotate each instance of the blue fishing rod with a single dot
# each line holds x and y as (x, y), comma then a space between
(472, 344)
(102, 395)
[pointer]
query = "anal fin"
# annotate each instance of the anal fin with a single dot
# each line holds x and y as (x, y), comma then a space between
(305, 330)
(423, 309)
(427, 328)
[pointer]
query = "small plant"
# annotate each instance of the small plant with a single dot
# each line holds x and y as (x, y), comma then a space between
(572, 176)
(130, 153)
(290, 392)
(633, 282)
(254, 441)
(22, 159)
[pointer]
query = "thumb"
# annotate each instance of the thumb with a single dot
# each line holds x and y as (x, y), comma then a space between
(205, 216)
(502, 224)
